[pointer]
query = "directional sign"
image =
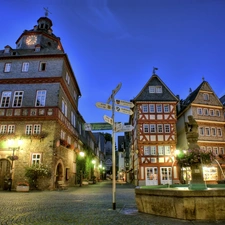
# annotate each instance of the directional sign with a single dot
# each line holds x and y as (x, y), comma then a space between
(97, 126)
(123, 110)
(126, 128)
(103, 106)
(108, 119)
(118, 126)
(124, 103)
(114, 92)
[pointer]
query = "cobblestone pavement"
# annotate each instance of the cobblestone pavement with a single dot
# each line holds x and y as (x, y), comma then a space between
(87, 205)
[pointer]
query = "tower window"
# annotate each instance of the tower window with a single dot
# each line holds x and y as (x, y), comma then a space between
(7, 67)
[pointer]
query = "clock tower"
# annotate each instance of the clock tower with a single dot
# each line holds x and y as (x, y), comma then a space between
(41, 35)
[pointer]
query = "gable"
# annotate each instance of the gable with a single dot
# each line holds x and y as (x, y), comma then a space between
(155, 90)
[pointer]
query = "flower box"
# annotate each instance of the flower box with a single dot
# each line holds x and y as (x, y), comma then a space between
(22, 187)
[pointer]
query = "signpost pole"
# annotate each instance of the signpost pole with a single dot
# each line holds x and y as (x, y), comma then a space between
(113, 156)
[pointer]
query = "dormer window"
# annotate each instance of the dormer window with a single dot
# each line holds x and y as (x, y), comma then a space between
(155, 89)
(7, 49)
(206, 97)
(37, 48)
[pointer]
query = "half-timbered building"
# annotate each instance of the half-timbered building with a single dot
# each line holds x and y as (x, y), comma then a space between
(153, 141)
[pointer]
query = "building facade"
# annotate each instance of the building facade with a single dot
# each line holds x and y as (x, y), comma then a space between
(208, 111)
(154, 138)
(39, 97)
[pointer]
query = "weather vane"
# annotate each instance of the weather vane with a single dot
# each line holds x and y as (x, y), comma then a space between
(203, 78)
(154, 69)
(46, 12)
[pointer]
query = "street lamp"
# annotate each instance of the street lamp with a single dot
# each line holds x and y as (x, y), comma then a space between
(13, 146)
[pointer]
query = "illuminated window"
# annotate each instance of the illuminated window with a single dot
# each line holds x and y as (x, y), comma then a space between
(5, 99)
(7, 67)
(36, 158)
(40, 98)
(25, 66)
(167, 150)
(160, 150)
(64, 107)
(167, 128)
(153, 150)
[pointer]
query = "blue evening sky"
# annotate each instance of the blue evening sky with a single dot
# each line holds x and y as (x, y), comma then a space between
(113, 41)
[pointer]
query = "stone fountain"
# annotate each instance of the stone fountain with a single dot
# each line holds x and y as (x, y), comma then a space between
(195, 202)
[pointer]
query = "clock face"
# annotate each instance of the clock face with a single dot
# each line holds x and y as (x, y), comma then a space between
(30, 40)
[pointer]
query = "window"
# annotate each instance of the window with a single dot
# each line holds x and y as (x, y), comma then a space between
(199, 111)
(222, 151)
(215, 150)
(42, 66)
(73, 119)
(166, 109)
(36, 158)
(158, 89)
(11, 129)
(40, 98)
(67, 78)
(7, 67)
(207, 131)
(159, 128)
(217, 113)
(64, 107)
(33, 129)
(5, 100)
(206, 97)
(69, 140)
(160, 150)
(206, 112)
(213, 130)
(219, 131)
(153, 150)
(167, 128)
(201, 131)
(211, 112)
(146, 150)
(75, 95)
(152, 108)
(152, 128)
(145, 108)
(18, 98)
(25, 67)
(167, 150)
(3, 129)
(63, 135)
(151, 89)
(158, 108)
(146, 128)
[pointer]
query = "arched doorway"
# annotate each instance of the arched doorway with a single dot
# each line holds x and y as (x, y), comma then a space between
(5, 166)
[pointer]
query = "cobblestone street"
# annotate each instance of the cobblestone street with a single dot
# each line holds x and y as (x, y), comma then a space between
(91, 204)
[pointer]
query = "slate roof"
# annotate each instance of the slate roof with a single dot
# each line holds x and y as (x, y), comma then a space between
(166, 94)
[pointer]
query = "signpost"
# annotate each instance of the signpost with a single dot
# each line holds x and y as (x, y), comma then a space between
(116, 127)
(97, 126)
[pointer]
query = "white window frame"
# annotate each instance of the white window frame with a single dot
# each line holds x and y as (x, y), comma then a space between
(158, 89)
(221, 150)
(63, 135)
(3, 129)
(219, 132)
(17, 99)
(36, 158)
(206, 112)
(5, 99)
(11, 129)
(159, 128)
(151, 89)
(166, 108)
(167, 128)
(207, 131)
(153, 150)
(199, 111)
(152, 128)
(217, 113)
(33, 129)
(215, 150)
(145, 128)
(152, 108)
(64, 107)
(7, 67)
(161, 150)
(67, 78)
(201, 131)
(73, 119)
(213, 131)
(146, 150)
(40, 98)
(206, 96)
(25, 66)
(145, 108)
(159, 108)
(167, 150)
(211, 112)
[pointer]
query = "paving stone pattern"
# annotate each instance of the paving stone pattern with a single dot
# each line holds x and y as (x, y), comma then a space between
(87, 205)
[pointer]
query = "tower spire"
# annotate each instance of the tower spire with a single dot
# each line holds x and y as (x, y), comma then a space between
(46, 11)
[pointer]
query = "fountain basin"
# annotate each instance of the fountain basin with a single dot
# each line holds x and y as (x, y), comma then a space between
(182, 204)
